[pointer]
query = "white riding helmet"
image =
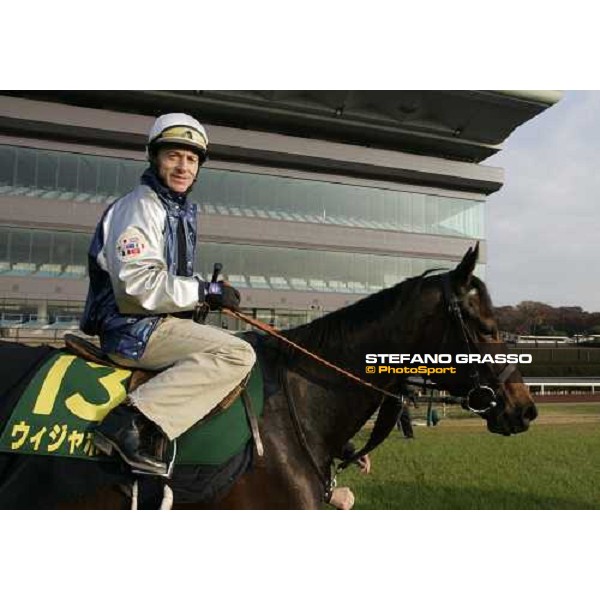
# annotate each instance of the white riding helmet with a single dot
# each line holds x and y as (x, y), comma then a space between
(179, 129)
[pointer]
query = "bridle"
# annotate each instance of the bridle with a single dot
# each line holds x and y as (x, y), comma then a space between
(480, 399)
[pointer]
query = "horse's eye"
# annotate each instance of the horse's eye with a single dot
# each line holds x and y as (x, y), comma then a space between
(487, 328)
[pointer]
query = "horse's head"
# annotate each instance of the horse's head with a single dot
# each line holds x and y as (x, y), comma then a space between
(430, 314)
(458, 319)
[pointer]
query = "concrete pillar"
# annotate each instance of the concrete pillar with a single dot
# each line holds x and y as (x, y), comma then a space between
(42, 311)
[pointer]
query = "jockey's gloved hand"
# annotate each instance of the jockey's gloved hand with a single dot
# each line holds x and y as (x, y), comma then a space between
(219, 295)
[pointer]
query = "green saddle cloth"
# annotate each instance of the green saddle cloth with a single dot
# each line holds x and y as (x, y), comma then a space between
(68, 396)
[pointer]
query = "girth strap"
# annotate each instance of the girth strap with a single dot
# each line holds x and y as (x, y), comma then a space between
(253, 422)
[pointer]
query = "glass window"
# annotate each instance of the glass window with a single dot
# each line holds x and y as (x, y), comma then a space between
(232, 193)
(232, 189)
(405, 211)
(374, 273)
(431, 215)
(4, 246)
(390, 219)
(310, 269)
(209, 184)
(254, 266)
(376, 202)
(287, 198)
(108, 179)
(41, 242)
(67, 172)
(129, 173)
(81, 244)
(26, 167)
(88, 175)
(20, 246)
(47, 169)
(419, 222)
(8, 162)
(62, 248)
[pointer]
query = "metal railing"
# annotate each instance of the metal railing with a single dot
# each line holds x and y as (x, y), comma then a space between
(52, 336)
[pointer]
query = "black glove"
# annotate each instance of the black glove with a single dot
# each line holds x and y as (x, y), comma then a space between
(220, 296)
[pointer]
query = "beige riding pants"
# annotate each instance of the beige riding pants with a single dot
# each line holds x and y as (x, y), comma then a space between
(205, 362)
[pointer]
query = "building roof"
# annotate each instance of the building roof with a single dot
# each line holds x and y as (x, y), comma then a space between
(467, 125)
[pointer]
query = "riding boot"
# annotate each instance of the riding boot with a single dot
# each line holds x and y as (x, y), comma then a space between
(126, 430)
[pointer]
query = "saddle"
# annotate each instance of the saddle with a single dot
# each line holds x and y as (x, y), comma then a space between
(90, 352)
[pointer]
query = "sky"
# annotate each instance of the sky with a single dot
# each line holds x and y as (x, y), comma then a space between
(543, 226)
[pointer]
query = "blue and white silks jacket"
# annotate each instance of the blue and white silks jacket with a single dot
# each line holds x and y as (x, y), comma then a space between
(136, 273)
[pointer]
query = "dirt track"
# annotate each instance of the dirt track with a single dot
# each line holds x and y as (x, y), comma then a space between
(570, 398)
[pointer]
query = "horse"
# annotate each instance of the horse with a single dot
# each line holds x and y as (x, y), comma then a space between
(312, 411)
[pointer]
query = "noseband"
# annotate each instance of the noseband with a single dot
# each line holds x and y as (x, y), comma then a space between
(480, 399)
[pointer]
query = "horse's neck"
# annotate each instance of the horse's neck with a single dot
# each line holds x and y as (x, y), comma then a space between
(332, 407)
(345, 337)
(348, 355)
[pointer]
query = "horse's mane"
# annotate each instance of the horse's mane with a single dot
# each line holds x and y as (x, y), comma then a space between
(369, 319)
(363, 320)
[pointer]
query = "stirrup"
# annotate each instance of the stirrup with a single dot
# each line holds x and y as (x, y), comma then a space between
(170, 465)
(103, 445)
(109, 448)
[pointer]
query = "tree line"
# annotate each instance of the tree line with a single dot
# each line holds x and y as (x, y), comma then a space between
(537, 318)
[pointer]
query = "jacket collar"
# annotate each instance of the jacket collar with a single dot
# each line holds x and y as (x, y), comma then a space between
(151, 179)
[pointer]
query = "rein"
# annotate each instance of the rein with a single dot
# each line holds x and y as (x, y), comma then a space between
(275, 333)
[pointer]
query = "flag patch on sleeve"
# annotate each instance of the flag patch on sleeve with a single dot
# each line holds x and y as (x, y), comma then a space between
(131, 245)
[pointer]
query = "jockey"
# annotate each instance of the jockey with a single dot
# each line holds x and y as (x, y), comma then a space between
(141, 294)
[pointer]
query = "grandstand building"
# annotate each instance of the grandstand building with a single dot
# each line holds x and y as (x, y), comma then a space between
(311, 200)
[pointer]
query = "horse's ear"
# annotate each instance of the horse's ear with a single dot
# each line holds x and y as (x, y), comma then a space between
(461, 276)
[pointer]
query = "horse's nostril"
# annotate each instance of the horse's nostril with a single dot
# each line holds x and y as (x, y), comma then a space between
(530, 412)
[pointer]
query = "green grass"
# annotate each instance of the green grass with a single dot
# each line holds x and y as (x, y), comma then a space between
(566, 409)
(462, 466)
(570, 409)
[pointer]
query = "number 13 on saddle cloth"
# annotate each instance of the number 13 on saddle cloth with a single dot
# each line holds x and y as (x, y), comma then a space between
(67, 395)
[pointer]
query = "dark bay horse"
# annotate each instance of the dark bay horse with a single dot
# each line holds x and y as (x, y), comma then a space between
(434, 313)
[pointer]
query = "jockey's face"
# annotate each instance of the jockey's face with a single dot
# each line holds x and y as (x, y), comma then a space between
(177, 168)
